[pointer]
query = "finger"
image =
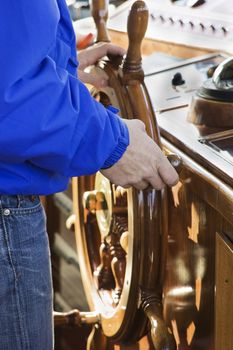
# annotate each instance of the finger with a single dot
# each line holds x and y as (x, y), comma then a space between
(168, 173)
(111, 49)
(141, 185)
(126, 186)
(156, 182)
(93, 79)
(140, 125)
(92, 54)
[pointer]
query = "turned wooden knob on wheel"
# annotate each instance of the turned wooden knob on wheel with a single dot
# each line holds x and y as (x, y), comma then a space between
(75, 318)
(137, 25)
(99, 10)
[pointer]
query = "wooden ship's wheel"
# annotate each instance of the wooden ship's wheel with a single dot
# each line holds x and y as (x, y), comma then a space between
(122, 234)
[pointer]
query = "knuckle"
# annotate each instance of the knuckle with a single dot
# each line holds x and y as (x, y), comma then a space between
(122, 183)
(134, 180)
(142, 125)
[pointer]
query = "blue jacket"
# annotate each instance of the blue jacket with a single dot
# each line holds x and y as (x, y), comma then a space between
(50, 126)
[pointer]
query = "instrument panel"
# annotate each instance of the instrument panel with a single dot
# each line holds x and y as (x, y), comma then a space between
(173, 87)
(208, 26)
(171, 90)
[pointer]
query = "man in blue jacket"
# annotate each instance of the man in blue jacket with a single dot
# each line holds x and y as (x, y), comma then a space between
(51, 129)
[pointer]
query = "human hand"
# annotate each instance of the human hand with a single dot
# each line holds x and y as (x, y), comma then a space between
(90, 56)
(143, 164)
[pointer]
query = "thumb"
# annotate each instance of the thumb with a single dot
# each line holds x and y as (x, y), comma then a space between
(135, 123)
(93, 79)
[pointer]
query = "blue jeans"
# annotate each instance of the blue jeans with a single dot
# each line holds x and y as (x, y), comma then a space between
(25, 276)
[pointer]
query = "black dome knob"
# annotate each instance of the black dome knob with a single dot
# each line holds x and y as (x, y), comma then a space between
(177, 79)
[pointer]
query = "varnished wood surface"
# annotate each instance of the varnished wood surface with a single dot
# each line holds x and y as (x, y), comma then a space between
(99, 10)
(212, 113)
(213, 191)
(196, 213)
(224, 288)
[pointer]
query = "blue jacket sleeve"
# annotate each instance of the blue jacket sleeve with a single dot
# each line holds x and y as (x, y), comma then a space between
(47, 116)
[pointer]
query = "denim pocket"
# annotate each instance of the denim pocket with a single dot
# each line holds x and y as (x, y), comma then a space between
(25, 275)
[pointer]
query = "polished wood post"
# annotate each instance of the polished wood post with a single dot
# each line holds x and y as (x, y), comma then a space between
(118, 227)
(104, 271)
(99, 10)
(136, 28)
(75, 318)
(161, 335)
(132, 73)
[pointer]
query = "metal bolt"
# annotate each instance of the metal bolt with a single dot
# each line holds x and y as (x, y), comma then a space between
(6, 212)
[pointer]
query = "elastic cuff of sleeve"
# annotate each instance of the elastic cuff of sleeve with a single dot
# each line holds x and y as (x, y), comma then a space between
(119, 150)
(113, 109)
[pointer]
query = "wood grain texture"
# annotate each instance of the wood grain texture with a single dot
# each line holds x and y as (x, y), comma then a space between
(224, 288)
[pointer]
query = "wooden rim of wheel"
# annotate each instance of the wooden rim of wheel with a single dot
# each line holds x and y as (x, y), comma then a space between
(144, 218)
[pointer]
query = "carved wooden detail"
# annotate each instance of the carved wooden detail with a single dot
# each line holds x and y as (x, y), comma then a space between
(128, 224)
(99, 10)
(119, 225)
(104, 272)
(161, 335)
